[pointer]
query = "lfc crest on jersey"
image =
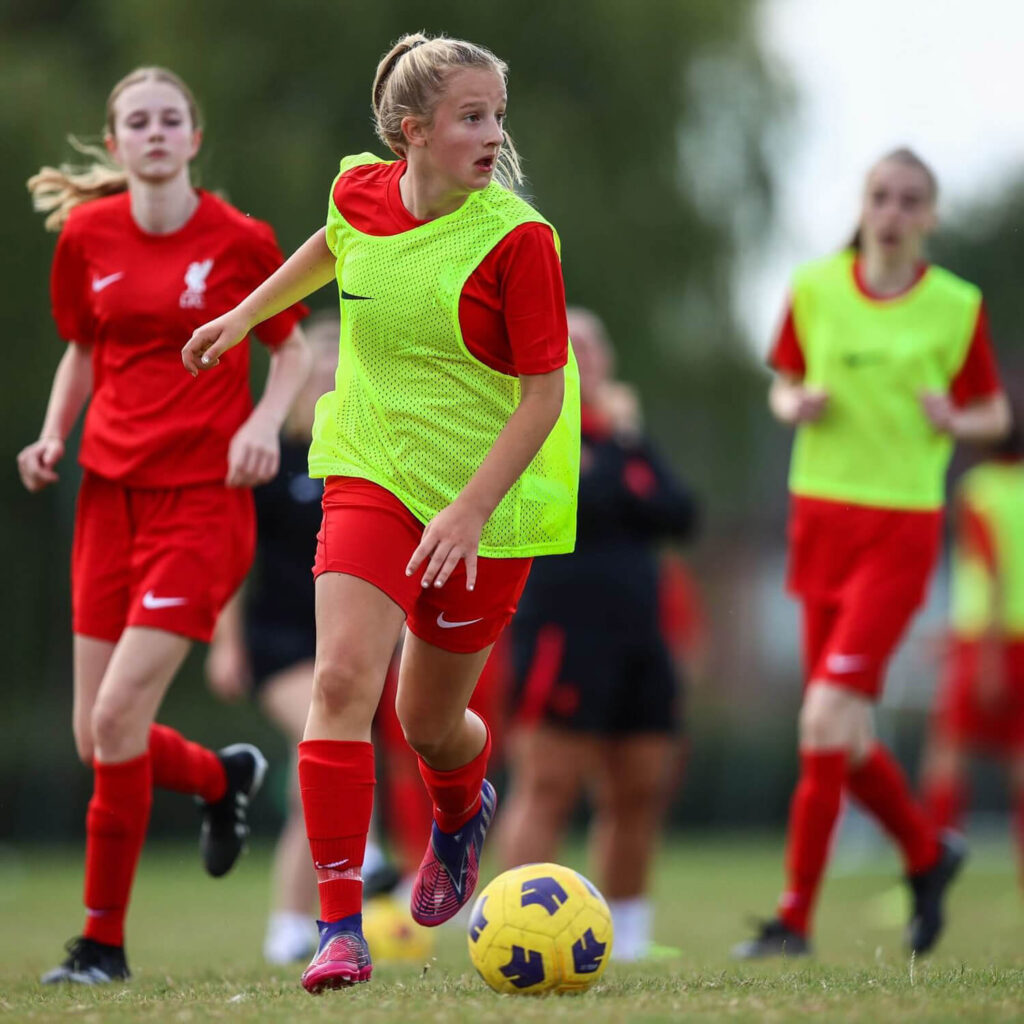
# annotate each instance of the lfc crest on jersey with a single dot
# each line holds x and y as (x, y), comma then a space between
(194, 295)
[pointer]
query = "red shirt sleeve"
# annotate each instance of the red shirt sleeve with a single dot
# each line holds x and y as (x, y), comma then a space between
(70, 288)
(978, 377)
(265, 256)
(786, 355)
(533, 299)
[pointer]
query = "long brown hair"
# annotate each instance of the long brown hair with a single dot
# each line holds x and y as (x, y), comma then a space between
(56, 191)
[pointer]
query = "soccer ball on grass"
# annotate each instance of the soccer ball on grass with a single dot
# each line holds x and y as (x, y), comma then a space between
(540, 928)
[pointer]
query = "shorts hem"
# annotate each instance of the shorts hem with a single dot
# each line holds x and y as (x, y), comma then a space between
(470, 647)
(343, 568)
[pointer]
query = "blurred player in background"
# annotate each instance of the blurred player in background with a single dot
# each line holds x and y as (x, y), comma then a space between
(450, 446)
(882, 363)
(164, 524)
(597, 698)
(980, 706)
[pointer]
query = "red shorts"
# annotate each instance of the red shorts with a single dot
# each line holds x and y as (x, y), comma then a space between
(367, 532)
(166, 559)
(861, 573)
(965, 713)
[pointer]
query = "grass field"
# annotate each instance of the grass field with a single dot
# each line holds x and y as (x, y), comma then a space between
(194, 947)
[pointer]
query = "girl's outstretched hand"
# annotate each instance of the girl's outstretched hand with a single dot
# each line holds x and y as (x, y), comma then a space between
(453, 535)
(208, 343)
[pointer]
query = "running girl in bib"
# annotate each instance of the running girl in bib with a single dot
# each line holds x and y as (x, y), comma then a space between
(883, 362)
(164, 526)
(980, 706)
(450, 448)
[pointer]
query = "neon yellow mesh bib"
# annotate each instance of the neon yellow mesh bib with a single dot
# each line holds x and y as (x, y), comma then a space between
(995, 492)
(413, 410)
(874, 445)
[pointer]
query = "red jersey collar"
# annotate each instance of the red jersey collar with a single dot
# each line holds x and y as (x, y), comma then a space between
(864, 288)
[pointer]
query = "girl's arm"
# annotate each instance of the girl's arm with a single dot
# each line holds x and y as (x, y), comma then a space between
(254, 454)
(310, 267)
(792, 402)
(987, 419)
(454, 533)
(72, 386)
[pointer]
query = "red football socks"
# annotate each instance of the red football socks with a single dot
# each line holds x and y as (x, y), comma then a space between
(456, 793)
(336, 779)
(812, 817)
(880, 785)
(943, 801)
(185, 767)
(115, 829)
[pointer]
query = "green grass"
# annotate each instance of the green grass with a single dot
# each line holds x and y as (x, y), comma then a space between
(194, 946)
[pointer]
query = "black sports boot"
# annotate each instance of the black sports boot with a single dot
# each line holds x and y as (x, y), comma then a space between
(89, 963)
(225, 827)
(929, 890)
(773, 938)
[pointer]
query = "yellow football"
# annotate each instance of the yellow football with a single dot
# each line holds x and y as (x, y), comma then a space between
(540, 928)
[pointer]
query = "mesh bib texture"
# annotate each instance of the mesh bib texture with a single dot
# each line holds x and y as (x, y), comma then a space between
(995, 492)
(413, 410)
(874, 446)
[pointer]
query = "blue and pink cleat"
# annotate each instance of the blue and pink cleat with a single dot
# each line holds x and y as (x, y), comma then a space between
(448, 873)
(342, 957)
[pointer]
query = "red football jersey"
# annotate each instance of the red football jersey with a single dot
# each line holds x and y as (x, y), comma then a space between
(135, 299)
(512, 307)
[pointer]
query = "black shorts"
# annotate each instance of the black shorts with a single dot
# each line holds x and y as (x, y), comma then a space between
(589, 680)
(273, 649)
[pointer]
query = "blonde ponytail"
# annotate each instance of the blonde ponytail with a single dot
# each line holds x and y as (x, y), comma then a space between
(56, 191)
(410, 81)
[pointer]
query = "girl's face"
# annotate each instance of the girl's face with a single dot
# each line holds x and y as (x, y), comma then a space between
(462, 142)
(153, 138)
(898, 212)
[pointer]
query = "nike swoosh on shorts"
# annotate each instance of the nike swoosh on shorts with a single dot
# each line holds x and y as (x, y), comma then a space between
(151, 602)
(447, 624)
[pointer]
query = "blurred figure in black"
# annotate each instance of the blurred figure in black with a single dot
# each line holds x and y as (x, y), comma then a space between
(596, 694)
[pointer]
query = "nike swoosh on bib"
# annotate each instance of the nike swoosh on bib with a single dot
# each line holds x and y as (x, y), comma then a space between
(361, 298)
(152, 602)
(447, 624)
(99, 283)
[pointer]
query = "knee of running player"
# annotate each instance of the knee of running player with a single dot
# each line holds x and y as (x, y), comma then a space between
(119, 730)
(346, 690)
(429, 735)
(84, 745)
(832, 718)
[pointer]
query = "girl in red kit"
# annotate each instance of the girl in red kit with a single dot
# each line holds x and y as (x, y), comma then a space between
(883, 362)
(164, 527)
(451, 451)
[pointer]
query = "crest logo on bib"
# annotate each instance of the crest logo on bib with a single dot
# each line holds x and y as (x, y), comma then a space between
(194, 295)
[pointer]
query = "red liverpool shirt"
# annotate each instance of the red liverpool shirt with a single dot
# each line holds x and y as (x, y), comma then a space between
(135, 299)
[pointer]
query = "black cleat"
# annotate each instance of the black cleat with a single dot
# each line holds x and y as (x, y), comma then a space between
(89, 963)
(225, 827)
(929, 889)
(773, 938)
